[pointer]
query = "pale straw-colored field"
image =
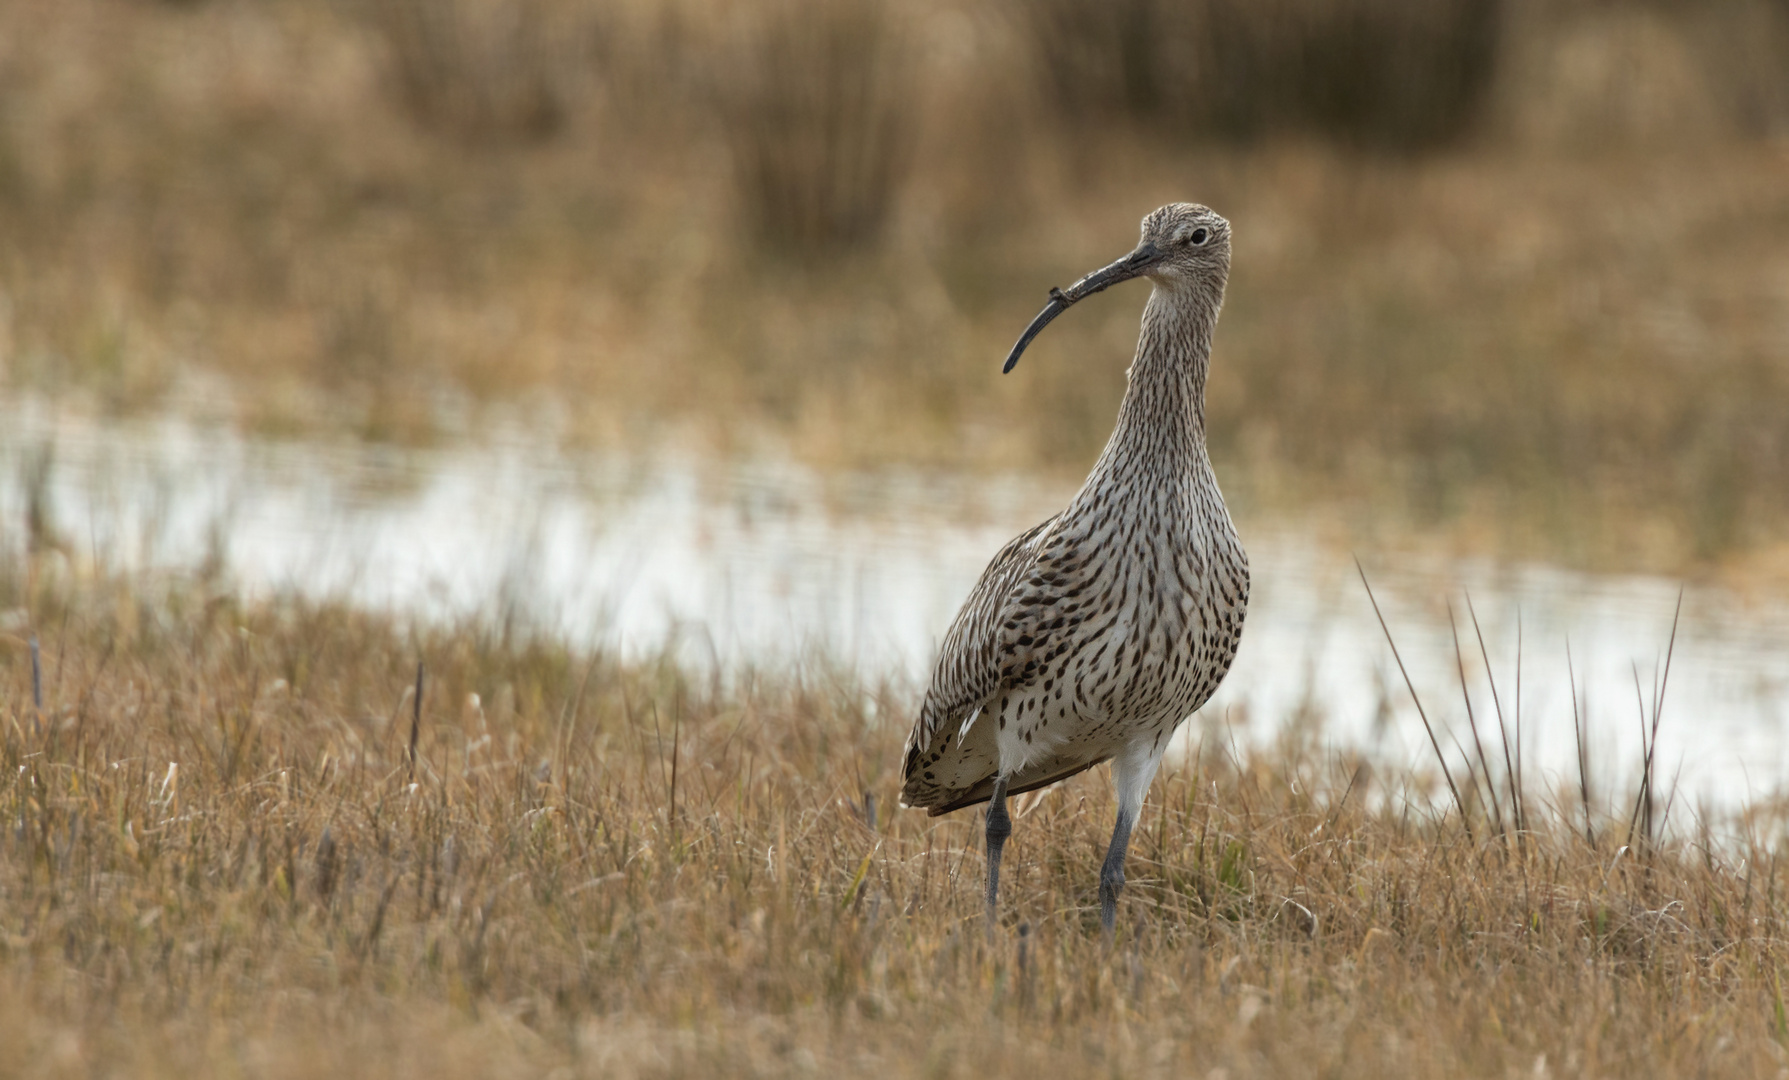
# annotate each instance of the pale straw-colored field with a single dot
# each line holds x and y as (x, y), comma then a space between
(219, 859)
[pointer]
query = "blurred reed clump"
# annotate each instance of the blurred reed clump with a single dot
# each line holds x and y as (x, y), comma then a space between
(482, 69)
(235, 844)
(815, 101)
(1505, 267)
(1388, 74)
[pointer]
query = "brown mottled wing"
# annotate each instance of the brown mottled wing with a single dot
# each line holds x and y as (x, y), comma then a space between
(967, 674)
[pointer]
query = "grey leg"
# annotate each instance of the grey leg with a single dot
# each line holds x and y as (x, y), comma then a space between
(1111, 874)
(1000, 826)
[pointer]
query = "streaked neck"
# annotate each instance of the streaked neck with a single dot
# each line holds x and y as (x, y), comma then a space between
(1164, 406)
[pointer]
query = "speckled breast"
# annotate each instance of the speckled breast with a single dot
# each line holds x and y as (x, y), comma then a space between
(1151, 600)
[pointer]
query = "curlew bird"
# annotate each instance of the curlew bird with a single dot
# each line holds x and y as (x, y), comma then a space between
(1092, 636)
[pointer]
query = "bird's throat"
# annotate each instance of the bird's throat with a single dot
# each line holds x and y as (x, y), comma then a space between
(1164, 404)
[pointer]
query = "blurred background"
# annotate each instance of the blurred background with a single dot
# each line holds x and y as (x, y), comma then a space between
(1511, 273)
(679, 323)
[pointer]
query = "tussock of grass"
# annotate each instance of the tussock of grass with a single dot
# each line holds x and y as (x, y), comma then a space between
(1383, 74)
(815, 101)
(215, 860)
(480, 70)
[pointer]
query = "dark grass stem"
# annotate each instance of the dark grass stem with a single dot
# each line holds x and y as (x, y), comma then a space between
(1511, 761)
(36, 687)
(1579, 725)
(1478, 744)
(415, 721)
(1440, 758)
(1521, 800)
(1642, 816)
(1642, 811)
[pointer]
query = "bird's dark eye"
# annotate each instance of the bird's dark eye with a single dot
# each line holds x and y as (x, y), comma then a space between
(1198, 236)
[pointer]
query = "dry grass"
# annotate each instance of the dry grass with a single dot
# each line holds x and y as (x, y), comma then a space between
(1563, 334)
(218, 858)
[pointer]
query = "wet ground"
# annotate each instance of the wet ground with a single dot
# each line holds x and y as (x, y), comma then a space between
(768, 563)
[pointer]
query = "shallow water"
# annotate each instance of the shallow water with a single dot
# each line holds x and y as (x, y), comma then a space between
(769, 563)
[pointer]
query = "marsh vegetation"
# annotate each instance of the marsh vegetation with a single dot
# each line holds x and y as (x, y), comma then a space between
(1509, 273)
(236, 842)
(1523, 285)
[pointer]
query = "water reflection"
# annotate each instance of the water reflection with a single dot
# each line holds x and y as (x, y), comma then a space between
(769, 563)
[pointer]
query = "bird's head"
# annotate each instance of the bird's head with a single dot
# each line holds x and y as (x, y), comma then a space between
(1191, 242)
(1184, 246)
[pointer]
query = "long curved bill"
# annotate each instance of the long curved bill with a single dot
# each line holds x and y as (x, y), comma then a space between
(1132, 265)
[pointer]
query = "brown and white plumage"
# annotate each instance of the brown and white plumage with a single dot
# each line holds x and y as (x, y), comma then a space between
(1092, 636)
